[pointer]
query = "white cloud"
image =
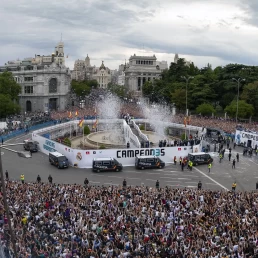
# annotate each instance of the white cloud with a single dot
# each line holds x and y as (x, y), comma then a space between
(202, 31)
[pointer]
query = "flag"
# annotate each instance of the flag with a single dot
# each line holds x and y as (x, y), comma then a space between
(189, 120)
(95, 124)
(76, 113)
(70, 114)
(80, 124)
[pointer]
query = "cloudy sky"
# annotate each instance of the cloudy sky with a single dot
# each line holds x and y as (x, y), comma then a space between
(203, 31)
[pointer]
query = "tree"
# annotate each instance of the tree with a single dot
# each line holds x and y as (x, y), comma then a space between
(9, 87)
(250, 94)
(179, 98)
(245, 110)
(205, 109)
(9, 95)
(82, 88)
(67, 142)
(117, 90)
(7, 106)
(86, 130)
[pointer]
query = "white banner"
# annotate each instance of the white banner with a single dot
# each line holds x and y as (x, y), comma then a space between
(83, 158)
(246, 138)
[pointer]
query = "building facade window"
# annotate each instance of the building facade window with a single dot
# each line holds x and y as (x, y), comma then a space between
(28, 79)
(28, 89)
(52, 85)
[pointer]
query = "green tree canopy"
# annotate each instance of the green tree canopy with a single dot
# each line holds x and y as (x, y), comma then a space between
(9, 87)
(8, 106)
(245, 110)
(83, 88)
(250, 94)
(205, 109)
(117, 90)
(9, 95)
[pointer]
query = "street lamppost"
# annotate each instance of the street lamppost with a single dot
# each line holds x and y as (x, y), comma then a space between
(238, 85)
(186, 87)
(23, 154)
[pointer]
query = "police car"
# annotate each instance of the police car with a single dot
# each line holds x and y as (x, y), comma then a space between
(106, 164)
(199, 158)
(142, 162)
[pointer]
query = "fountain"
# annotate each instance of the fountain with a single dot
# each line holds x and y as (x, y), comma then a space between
(110, 131)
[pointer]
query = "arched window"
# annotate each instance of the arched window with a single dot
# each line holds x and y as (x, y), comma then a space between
(52, 85)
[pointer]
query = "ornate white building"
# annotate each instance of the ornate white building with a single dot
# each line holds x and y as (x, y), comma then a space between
(102, 75)
(83, 70)
(141, 69)
(187, 63)
(45, 81)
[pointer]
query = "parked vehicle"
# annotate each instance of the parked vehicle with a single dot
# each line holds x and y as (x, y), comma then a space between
(106, 164)
(30, 145)
(199, 158)
(57, 159)
(142, 162)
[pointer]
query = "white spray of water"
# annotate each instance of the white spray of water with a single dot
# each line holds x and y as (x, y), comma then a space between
(109, 108)
(157, 115)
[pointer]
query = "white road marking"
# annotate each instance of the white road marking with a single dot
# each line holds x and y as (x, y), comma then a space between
(131, 171)
(116, 176)
(150, 180)
(210, 184)
(182, 178)
(253, 162)
(222, 186)
(191, 186)
(166, 177)
(190, 182)
(173, 185)
(94, 182)
(242, 162)
(172, 181)
(133, 178)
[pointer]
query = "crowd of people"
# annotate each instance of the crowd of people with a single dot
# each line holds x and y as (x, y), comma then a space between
(134, 110)
(57, 220)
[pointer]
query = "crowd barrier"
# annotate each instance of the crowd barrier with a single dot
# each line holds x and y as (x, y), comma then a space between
(23, 131)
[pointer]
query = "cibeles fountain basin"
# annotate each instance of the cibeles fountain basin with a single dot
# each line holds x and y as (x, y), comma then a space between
(114, 138)
(111, 131)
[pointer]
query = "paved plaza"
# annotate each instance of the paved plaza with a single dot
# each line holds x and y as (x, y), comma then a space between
(221, 176)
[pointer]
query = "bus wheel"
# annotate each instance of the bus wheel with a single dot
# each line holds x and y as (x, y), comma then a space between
(142, 168)
(98, 170)
(160, 166)
(117, 170)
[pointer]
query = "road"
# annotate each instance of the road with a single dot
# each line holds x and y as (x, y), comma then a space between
(221, 176)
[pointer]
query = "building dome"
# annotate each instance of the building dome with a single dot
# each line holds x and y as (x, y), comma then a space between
(102, 66)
